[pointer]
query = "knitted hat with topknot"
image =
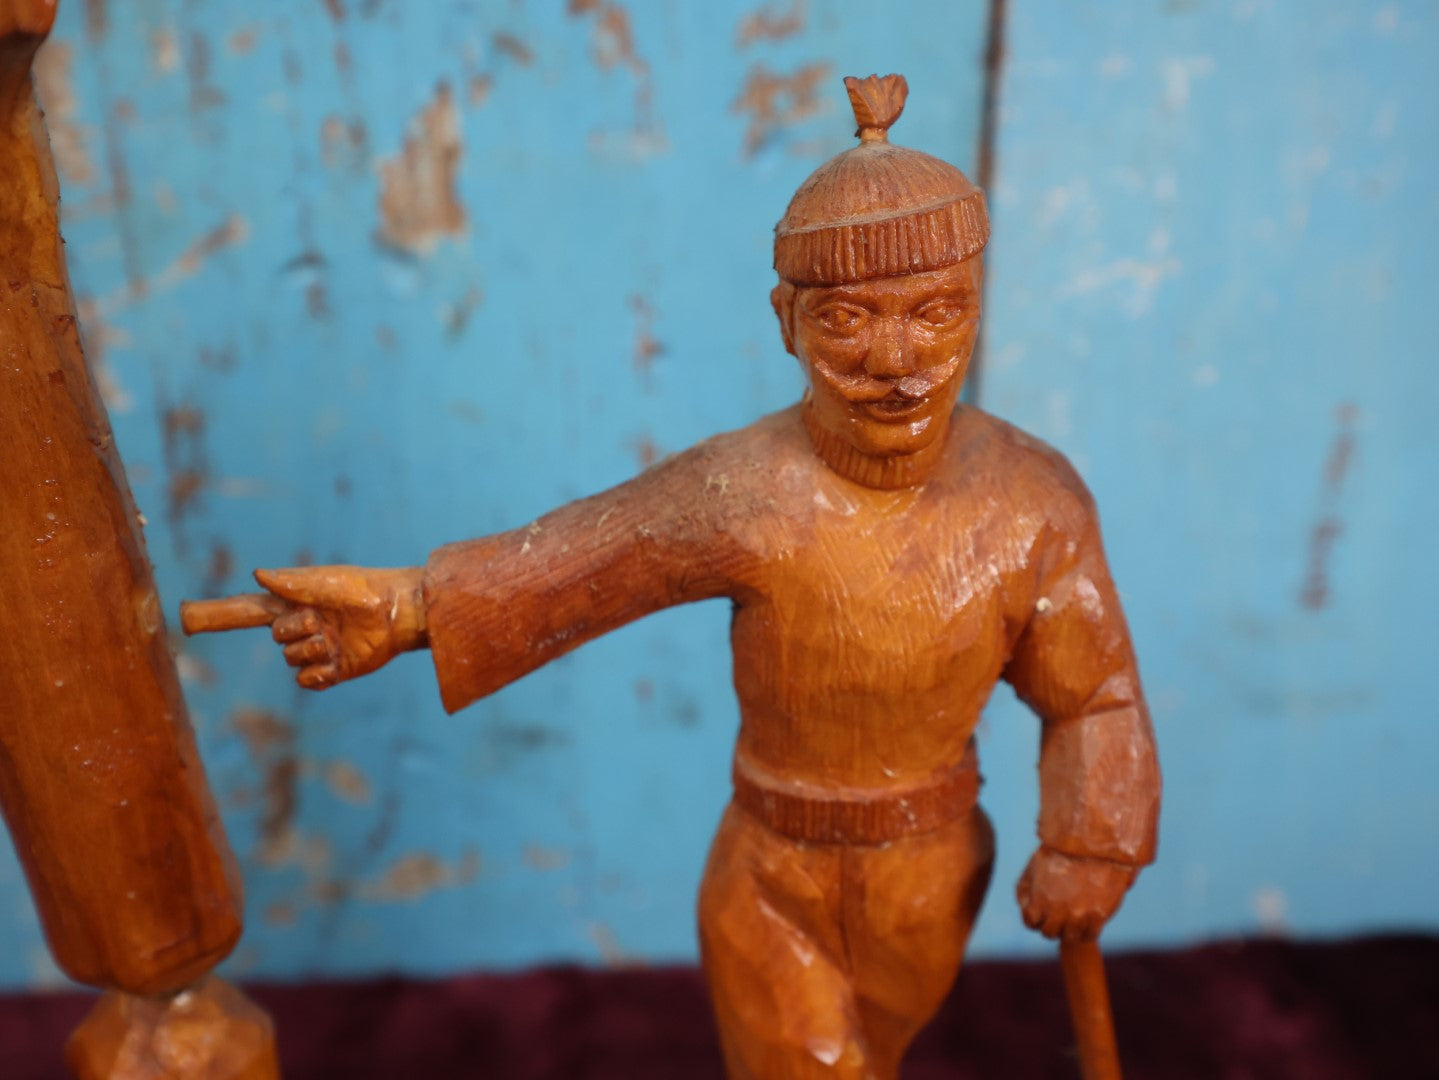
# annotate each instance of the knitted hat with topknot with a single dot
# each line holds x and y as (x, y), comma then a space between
(878, 210)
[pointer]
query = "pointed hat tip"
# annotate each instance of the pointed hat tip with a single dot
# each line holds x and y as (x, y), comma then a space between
(877, 101)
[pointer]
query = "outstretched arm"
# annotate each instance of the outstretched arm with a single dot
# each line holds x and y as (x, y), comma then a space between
(1073, 664)
(501, 606)
(495, 608)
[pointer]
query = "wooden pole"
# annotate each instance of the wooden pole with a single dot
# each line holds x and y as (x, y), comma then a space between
(100, 782)
(1089, 1008)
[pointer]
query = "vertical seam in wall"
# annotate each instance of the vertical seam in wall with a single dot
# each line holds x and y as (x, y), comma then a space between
(989, 120)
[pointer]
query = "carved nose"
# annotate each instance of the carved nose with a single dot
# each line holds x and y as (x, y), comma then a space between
(891, 356)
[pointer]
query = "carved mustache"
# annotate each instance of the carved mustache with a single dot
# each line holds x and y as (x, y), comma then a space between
(867, 390)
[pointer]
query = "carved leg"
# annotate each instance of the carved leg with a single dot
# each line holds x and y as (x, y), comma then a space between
(908, 913)
(210, 1031)
(824, 961)
(774, 957)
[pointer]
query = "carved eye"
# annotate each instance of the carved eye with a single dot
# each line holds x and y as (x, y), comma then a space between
(839, 318)
(940, 313)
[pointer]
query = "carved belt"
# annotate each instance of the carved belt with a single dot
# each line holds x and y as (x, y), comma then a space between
(855, 818)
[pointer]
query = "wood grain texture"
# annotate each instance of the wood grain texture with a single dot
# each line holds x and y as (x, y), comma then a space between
(889, 558)
(100, 782)
(1089, 1009)
(211, 344)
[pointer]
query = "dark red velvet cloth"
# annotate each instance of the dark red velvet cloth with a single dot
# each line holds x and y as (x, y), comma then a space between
(1250, 1011)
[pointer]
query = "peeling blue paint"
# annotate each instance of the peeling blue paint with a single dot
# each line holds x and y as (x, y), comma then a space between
(1213, 235)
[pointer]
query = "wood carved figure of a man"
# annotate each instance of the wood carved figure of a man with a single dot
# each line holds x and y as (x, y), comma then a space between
(890, 557)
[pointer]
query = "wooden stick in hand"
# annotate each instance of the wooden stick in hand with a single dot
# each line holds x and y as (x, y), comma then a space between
(1089, 1007)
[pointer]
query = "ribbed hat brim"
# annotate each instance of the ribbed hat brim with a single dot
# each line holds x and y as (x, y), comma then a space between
(928, 239)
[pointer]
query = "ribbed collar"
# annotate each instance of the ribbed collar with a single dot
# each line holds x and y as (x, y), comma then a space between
(888, 473)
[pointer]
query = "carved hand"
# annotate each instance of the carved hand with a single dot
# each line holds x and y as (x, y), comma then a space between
(1066, 896)
(345, 621)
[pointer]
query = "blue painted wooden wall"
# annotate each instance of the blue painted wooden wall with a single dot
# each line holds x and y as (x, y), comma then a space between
(362, 277)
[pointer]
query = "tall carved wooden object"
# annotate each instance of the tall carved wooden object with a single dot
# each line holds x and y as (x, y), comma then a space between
(100, 782)
(890, 556)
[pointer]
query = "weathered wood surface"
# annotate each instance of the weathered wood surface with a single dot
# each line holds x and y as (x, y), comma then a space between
(235, 246)
(223, 202)
(100, 782)
(888, 558)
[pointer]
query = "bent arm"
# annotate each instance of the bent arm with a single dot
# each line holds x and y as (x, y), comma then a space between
(1074, 666)
(501, 606)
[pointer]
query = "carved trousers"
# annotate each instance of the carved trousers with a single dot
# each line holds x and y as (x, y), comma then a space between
(825, 960)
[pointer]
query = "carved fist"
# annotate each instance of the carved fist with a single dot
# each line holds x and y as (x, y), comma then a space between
(1066, 896)
(345, 621)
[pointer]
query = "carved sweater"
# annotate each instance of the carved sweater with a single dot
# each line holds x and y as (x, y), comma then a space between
(869, 626)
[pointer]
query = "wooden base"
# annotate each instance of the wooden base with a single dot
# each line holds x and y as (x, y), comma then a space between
(208, 1032)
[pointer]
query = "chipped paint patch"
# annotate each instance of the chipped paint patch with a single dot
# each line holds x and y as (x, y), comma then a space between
(416, 875)
(242, 42)
(419, 205)
(647, 451)
(614, 40)
(771, 23)
(219, 568)
(1329, 525)
(311, 853)
(203, 95)
(774, 102)
(513, 47)
(456, 316)
(164, 50)
(612, 45)
(68, 139)
(231, 232)
(1271, 908)
(607, 943)
(182, 429)
(480, 88)
(193, 670)
(347, 782)
(647, 349)
(97, 19)
(270, 740)
(263, 730)
(281, 913)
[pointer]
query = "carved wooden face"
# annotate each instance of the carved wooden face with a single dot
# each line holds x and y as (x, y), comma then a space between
(886, 358)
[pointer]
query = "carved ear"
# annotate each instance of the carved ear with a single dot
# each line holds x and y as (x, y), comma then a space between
(781, 298)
